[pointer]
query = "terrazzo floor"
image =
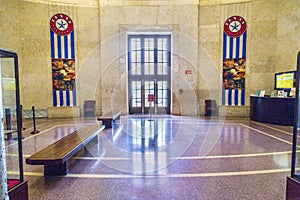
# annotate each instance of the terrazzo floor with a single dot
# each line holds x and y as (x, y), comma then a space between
(163, 157)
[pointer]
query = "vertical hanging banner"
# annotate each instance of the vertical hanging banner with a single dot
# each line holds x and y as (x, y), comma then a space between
(63, 60)
(234, 61)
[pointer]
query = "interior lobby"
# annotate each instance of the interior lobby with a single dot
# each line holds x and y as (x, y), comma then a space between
(181, 82)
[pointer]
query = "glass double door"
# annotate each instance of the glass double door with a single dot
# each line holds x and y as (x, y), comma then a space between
(149, 74)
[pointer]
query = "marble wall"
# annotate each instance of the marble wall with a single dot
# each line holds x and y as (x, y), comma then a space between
(100, 42)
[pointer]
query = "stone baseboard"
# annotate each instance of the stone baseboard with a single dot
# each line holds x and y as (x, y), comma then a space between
(234, 111)
(39, 113)
(63, 112)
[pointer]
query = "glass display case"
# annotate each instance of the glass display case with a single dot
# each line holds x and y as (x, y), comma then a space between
(293, 182)
(11, 124)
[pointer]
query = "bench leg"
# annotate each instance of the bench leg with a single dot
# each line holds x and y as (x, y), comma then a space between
(56, 170)
(107, 123)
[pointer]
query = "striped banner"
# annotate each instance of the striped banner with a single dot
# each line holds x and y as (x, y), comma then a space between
(62, 46)
(234, 47)
(234, 61)
(63, 60)
(64, 98)
(233, 97)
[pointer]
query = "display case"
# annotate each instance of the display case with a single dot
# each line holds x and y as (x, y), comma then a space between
(11, 126)
(293, 182)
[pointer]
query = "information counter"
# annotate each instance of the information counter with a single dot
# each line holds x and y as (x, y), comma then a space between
(274, 110)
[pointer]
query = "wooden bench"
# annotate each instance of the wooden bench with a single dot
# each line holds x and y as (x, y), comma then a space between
(108, 119)
(55, 157)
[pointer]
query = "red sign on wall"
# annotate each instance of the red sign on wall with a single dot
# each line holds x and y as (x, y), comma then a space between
(188, 71)
(150, 97)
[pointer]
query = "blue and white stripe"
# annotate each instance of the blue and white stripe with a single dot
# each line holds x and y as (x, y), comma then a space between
(64, 98)
(63, 47)
(234, 48)
(233, 97)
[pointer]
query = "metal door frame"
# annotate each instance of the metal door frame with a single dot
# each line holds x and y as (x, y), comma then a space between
(164, 78)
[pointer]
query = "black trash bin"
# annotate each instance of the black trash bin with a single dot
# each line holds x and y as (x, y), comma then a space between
(211, 107)
(89, 108)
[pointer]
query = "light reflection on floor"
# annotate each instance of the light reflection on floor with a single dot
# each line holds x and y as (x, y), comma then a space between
(171, 155)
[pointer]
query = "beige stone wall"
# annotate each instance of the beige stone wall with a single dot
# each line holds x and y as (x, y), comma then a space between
(272, 45)
(26, 31)
(100, 42)
(211, 51)
(117, 20)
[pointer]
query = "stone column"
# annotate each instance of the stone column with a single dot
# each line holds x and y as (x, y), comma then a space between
(3, 175)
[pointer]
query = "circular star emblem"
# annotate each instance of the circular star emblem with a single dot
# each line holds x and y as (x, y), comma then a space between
(61, 24)
(235, 26)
